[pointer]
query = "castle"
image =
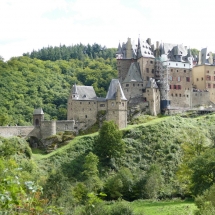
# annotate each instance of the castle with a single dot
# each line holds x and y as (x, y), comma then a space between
(151, 79)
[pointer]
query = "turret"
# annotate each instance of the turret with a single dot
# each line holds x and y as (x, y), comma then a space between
(38, 117)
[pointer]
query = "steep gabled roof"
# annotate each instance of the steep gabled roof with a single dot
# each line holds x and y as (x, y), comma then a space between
(144, 49)
(113, 88)
(134, 73)
(84, 92)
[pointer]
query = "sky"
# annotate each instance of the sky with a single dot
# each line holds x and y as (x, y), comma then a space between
(27, 25)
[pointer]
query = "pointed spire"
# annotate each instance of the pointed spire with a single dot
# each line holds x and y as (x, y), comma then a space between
(119, 50)
(74, 89)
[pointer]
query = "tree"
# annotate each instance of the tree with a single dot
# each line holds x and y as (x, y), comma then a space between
(203, 171)
(109, 144)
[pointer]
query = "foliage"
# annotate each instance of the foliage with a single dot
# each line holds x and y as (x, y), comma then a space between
(203, 171)
(109, 143)
(206, 202)
(78, 51)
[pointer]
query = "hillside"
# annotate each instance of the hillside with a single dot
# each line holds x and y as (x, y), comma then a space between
(155, 152)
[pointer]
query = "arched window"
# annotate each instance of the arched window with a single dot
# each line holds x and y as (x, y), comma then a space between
(37, 122)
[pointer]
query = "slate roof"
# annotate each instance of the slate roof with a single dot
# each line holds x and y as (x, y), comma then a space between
(134, 73)
(144, 49)
(84, 92)
(112, 91)
(175, 52)
(119, 50)
(38, 111)
(151, 83)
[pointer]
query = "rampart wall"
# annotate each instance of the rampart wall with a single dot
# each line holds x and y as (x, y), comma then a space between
(9, 131)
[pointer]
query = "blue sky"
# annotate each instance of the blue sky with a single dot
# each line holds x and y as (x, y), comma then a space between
(33, 24)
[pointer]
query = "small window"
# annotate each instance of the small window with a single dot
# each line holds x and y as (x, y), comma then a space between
(73, 96)
(80, 102)
(177, 70)
(152, 70)
(102, 105)
(176, 94)
(171, 70)
(112, 104)
(202, 79)
(213, 85)
(208, 71)
(89, 102)
(184, 64)
(197, 79)
(127, 85)
(147, 70)
(184, 71)
(151, 62)
(94, 103)
(147, 78)
(176, 64)
(175, 87)
(187, 95)
(179, 95)
(123, 104)
(209, 85)
(85, 116)
(179, 87)
(179, 79)
(188, 79)
(133, 85)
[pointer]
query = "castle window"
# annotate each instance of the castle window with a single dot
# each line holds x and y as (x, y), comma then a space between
(177, 70)
(147, 70)
(188, 79)
(179, 87)
(138, 85)
(213, 85)
(73, 96)
(197, 79)
(85, 116)
(170, 87)
(147, 78)
(171, 70)
(141, 84)
(152, 70)
(170, 78)
(89, 102)
(179, 79)
(176, 64)
(175, 87)
(102, 105)
(208, 77)
(208, 71)
(83, 109)
(187, 95)
(151, 62)
(172, 95)
(122, 104)
(112, 104)
(127, 85)
(80, 102)
(133, 85)
(209, 85)
(179, 95)
(184, 70)
(202, 79)
(94, 103)
(176, 94)
(184, 64)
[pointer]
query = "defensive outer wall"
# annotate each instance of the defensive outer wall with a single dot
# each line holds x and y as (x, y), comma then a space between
(45, 129)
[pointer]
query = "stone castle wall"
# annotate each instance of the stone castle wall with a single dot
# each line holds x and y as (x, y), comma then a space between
(200, 98)
(10, 131)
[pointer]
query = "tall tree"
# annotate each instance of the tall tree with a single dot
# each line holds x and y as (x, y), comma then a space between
(109, 143)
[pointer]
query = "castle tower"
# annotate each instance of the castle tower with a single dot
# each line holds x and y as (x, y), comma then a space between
(38, 117)
(152, 95)
(116, 104)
